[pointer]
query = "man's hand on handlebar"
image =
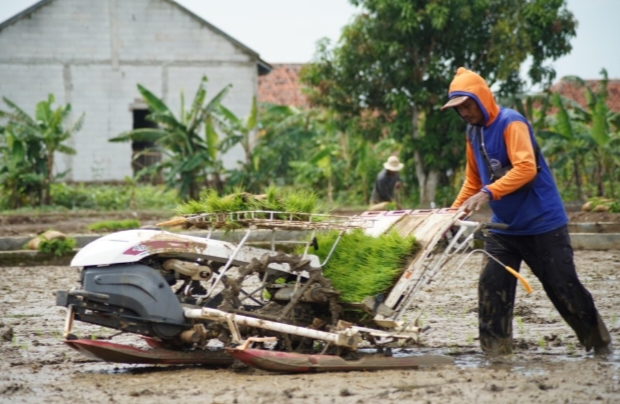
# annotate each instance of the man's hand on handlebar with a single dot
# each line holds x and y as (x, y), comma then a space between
(475, 202)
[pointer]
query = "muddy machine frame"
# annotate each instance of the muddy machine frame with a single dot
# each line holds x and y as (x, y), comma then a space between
(198, 300)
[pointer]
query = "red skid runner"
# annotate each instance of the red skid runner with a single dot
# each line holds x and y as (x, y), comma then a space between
(276, 361)
(111, 352)
(273, 361)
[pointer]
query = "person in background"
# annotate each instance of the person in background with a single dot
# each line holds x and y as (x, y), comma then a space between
(387, 181)
(506, 170)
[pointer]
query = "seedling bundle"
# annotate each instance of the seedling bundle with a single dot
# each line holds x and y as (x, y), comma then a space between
(364, 265)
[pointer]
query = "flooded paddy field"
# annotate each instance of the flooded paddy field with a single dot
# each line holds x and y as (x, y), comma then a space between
(549, 365)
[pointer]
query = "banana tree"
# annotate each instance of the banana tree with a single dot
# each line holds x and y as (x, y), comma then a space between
(318, 169)
(603, 133)
(283, 134)
(17, 182)
(566, 140)
(188, 142)
(41, 137)
(245, 133)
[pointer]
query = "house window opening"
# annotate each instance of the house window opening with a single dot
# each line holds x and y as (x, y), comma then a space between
(144, 154)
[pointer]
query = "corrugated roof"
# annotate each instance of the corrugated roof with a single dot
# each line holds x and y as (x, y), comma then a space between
(281, 86)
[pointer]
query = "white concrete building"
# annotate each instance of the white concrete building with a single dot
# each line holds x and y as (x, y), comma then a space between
(93, 53)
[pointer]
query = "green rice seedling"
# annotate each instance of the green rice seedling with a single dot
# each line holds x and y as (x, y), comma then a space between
(318, 345)
(114, 225)
(274, 199)
(225, 204)
(391, 206)
(252, 202)
(57, 246)
(419, 321)
(542, 343)
(24, 316)
(191, 207)
(301, 202)
(19, 344)
(363, 265)
(602, 205)
(519, 321)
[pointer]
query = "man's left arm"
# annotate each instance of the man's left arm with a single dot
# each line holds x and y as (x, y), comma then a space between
(521, 154)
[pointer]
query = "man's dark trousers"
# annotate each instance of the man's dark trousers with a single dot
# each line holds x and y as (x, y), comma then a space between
(550, 257)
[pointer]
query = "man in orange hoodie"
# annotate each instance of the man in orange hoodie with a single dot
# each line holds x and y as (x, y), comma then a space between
(506, 169)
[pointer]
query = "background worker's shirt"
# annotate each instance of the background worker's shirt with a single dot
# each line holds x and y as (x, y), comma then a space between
(384, 187)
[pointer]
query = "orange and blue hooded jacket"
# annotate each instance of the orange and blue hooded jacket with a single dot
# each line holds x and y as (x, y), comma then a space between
(508, 140)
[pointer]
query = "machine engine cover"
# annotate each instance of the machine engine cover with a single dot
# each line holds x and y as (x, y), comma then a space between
(138, 289)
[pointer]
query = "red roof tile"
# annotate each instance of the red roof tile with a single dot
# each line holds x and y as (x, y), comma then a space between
(281, 86)
(570, 90)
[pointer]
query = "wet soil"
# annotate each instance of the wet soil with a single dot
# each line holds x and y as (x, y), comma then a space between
(549, 365)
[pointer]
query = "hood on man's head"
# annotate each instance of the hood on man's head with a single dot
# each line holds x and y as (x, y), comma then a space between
(469, 84)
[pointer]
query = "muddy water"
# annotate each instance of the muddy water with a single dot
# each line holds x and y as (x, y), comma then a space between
(549, 365)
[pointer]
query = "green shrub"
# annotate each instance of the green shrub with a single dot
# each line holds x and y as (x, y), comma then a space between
(113, 197)
(57, 246)
(114, 225)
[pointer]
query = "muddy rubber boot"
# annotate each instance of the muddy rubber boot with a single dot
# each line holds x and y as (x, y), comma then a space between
(496, 346)
(604, 347)
(604, 350)
(599, 339)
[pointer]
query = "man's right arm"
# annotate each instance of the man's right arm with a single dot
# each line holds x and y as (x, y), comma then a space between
(472, 184)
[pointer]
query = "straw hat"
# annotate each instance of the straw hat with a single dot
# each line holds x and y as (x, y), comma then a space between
(393, 164)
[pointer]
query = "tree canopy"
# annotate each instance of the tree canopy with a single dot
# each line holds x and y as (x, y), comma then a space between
(397, 58)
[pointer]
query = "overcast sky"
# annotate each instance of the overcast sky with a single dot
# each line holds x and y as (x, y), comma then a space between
(286, 31)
